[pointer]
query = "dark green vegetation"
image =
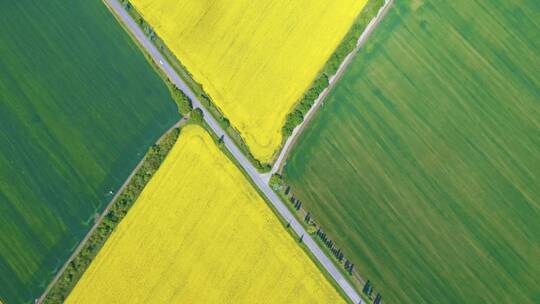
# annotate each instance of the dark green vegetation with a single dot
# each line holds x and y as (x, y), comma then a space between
(351, 39)
(182, 101)
(197, 116)
(153, 159)
(424, 164)
(296, 117)
(79, 106)
(347, 45)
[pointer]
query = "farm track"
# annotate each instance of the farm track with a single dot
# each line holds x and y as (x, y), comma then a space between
(289, 144)
(260, 180)
(101, 217)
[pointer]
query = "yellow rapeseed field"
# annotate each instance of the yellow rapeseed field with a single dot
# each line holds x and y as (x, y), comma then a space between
(199, 233)
(255, 58)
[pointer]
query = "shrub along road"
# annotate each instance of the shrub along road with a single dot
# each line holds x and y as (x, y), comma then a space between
(256, 177)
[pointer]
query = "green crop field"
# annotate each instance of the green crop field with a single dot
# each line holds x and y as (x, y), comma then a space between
(79, 106)
(424, 163)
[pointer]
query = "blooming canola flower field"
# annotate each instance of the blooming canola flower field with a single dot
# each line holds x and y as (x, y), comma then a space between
(199, 233)
(254, 58)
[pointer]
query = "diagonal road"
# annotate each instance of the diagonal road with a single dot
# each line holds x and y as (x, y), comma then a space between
(156, 56)
(260, 180)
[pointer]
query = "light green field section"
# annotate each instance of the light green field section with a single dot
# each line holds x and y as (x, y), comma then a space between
(424, 163)
(79, 106)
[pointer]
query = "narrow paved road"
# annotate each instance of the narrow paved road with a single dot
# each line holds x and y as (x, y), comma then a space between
(257, 178)
(289, 143)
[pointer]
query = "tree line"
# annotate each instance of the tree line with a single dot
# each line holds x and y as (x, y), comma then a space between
(347, 45)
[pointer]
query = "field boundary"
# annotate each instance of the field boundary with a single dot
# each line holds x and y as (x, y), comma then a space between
(303, 216)
(218, 115)
(220, 118)
(332, 80)
(196, 87)
(217, 141)
(150, 48)
(309, 222)
(103, 214)
(275, 212)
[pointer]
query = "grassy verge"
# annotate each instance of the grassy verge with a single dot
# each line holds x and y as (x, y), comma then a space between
(119, 208)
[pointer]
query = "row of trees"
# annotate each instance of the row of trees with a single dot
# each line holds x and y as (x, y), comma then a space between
(185, 105)
(296, 117)
(338, 254)
(277, 183)
(347, 45)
